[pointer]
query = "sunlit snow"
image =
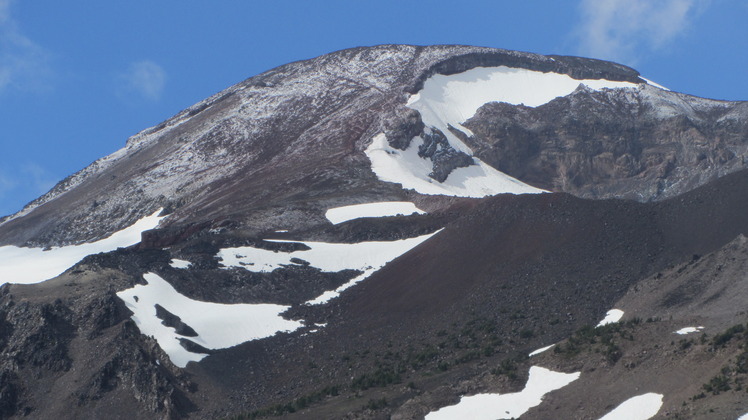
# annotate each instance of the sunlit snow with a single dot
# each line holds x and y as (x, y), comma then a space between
(743, 417)
(507, 406)
(613, 315)
(382, 209)
(641, 407)
(688, 330)
(217, 325)
(657, 85)
(540, 350)
(449, 101)
(367, 257)
(452, 100)
(34, 265)
(407, 168)
(180, 263)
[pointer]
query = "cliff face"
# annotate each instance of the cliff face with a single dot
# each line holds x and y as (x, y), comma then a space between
(643, 144)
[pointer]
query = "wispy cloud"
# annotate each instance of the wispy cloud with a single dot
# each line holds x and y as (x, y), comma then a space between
(21, 183)
(24, 65)
(624, 30)
(4, 11)
(37, 178)
(144, 78)
(6, 184)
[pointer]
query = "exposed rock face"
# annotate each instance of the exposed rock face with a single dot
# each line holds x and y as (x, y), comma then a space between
(445, 158)
(71, 350)
(644, 144)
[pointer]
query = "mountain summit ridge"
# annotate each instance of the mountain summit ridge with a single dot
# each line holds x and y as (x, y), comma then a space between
(370, 72)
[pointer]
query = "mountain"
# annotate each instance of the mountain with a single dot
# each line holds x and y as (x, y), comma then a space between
(386, 232)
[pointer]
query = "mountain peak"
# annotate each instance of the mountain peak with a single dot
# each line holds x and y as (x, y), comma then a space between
(322, 233)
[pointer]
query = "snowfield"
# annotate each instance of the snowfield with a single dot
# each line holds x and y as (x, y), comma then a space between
(507, 406)
(217, 325)
(613, 315)
(454, 99)
(366, 257)
(641, 407)
(405, 167)
(449, 101)
(34, 265)
(339, 215)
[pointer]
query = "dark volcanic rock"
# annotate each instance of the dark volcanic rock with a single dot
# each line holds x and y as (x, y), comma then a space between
(642, 145)
(446, 159)
(402, 127)
(170, 320)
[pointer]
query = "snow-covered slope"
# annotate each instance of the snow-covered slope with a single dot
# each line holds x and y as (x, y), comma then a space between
(212, 325)
(33, 265)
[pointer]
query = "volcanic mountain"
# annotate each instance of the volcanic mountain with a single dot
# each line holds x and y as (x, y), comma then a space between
(392, 232)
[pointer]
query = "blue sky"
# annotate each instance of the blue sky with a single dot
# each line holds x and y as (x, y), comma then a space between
(78, 78)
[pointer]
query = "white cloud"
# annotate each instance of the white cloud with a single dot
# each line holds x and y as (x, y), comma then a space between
(37, 178)
(6, 184)
(24, 65)
(4, 11)
(145, 78)
(623, 30)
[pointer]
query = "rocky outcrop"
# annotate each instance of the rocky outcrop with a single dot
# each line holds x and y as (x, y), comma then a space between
(645, 144)
(444, 157)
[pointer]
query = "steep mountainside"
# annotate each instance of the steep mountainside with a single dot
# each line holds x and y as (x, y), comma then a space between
(386, 232)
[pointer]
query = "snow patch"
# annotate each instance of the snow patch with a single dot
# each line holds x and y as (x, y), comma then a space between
(613, 315)
(175, 263)
(449, 101)
(366, 257)
(540, 350)
(688, 330)
(507, 406)
(651, 83)
(405, 167)
(217, 325)
(641, 407)
(454, 99)
(382, 209)
(34, 265)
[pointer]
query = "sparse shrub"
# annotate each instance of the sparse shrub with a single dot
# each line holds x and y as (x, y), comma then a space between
(379, 378)
(717, 384)
(720, 340)
(377, 404)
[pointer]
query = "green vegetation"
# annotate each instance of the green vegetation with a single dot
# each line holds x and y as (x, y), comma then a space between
(603, 340)
(297, 404)
(734, 375)
(720, 340)
(476, 340)
(376, 404)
